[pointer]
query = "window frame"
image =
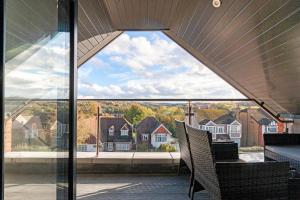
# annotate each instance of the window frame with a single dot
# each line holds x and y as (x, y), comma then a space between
(110, 146)
(126, 132)
(122, 147)
(111, 131)
(145, 137)
(160, 136)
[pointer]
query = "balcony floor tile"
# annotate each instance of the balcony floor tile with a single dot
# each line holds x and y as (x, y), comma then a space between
(134, 187)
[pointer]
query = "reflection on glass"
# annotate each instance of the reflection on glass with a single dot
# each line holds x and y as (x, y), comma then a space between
(36, 100)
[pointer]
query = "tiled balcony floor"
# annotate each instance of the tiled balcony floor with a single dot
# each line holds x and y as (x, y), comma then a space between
(105, 187)
(108, 187)
(116, 187)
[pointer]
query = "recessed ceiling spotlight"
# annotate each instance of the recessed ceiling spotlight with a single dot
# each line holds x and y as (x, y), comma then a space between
(216, 3)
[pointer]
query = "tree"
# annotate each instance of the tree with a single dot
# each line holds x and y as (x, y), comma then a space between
(83, 131)
(166, 148)
(87, 109)
(210, 114)
(136, 113)
(167, 115)
(143, 147)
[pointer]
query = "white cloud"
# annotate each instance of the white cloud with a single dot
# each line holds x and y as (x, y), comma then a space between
(41, 71)
(158, 68)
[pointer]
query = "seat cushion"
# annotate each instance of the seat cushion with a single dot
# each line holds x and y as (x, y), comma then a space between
(289, 151)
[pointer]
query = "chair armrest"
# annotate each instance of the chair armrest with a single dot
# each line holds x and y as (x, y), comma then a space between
(282, 139)
(260, 179)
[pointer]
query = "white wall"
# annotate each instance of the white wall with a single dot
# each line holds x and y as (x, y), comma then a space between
(91, 147)
(157, 144)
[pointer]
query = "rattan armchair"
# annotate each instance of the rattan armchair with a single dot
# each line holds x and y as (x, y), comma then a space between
(234, 180)
(185, 154)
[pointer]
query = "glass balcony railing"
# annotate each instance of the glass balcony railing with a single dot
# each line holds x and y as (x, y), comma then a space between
(150, 124)
(132, 126)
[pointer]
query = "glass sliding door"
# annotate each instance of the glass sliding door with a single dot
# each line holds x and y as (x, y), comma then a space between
(38, 103)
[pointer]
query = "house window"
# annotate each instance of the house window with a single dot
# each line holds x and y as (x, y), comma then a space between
(122, 147)
(82, 148)
(220, 129)
(234, 129)
(110, 146)
(145, 137)
(111, 131)
(211, 129)
(160, 138)
(272, 128)
(124, 132)
(214, 136)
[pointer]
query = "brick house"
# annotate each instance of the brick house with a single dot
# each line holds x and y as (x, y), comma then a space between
(152, 132)
(115, 134)
(256, 122)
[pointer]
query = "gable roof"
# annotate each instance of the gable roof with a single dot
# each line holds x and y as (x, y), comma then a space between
(160, 128)
(148, 125)
(91, 139)
(125, 127)
(260, 116)
(117, 123)
(204, 121)
(263, 117)
(265, 121)
(226, 119)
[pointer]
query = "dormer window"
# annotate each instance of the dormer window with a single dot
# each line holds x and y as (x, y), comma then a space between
(145, 137)
(124, 130)
(234, 129)
(111, 131)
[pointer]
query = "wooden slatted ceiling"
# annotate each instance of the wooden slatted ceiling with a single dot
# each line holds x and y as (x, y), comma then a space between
(141, 14)
(94, 29)
(25, 29)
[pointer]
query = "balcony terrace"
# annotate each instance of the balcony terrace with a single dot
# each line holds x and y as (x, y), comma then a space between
(111, 175)
(124, 144)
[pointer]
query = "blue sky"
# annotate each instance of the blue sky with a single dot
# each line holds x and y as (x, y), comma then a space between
(149, 65)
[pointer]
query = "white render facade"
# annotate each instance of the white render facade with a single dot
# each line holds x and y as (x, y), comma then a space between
(158, 139)
(234, 130)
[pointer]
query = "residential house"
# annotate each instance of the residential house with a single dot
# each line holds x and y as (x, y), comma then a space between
(152, 132)
(255, 123)
(116, 134)
(224, 127)
(89, 144)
